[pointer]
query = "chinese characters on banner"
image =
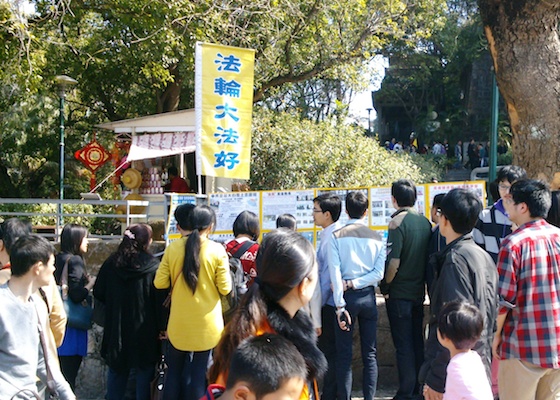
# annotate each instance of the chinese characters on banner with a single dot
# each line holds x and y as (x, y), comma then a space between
(224, 104)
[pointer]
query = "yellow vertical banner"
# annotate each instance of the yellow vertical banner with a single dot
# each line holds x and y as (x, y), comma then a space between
(224, 106)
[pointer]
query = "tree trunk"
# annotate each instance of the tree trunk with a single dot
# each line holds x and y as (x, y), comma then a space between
(525, 46)
(169, 99)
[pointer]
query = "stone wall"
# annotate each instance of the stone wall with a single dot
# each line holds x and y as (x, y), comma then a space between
(91, 381)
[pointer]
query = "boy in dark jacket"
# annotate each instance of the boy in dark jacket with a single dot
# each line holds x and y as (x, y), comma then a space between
(463, 271)
(265, 366)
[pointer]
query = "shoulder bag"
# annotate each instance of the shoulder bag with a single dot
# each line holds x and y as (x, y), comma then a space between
(79, 314)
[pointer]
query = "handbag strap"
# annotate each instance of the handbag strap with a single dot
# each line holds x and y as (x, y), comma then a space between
(51, 386)
(64, 279)
(242, 249)
(174, 282)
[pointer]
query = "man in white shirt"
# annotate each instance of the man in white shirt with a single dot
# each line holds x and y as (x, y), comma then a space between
(326, 212)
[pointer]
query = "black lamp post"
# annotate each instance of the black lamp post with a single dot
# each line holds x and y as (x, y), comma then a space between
(63, 82)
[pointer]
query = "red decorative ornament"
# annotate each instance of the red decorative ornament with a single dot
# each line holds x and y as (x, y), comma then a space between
(93, 155)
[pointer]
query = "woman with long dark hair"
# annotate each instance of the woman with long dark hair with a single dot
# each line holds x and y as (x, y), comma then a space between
(286, 279)
(73, 246)
(197, 269)
(130, 336)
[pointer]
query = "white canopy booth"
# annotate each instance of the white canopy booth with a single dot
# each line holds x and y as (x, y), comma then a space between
(161, 140)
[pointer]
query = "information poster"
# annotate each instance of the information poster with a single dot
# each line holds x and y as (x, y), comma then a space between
(478, 187)
(228, 206)
(298, 203)
(381, 204)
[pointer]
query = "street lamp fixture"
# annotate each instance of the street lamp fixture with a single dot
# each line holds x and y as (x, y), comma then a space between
(63, 82)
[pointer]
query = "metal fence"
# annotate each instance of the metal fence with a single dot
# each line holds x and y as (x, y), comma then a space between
(125, 212)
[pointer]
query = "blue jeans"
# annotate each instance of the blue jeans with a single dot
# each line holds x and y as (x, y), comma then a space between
(327, 345)
(116, 383)
(362, 308)
(405, 320)
(186, 374)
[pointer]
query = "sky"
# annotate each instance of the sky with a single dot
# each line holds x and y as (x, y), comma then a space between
(362, 100)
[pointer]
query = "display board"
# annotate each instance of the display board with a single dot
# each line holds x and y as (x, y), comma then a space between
(269, 205)
(298, 203)
(228, 206)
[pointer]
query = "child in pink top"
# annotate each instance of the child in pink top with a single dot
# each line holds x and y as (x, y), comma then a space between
(459, 327)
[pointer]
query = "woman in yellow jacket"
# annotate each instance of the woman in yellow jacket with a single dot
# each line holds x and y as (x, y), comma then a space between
(286, 278)
(198, 270)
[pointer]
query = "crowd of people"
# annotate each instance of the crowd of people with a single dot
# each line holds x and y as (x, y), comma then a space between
(492, 277)
(469, 155)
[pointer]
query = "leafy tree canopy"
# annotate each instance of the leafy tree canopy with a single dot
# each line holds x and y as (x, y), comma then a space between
(292, 153)
(134, 58)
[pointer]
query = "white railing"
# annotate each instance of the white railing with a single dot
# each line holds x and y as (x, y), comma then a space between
(151, 211)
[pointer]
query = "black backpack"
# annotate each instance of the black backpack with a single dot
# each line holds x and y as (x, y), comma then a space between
(239, 281)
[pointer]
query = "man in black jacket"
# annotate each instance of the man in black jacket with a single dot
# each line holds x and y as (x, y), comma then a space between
(463, 271)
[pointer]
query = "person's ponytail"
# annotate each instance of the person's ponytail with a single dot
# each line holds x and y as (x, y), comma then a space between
(191, 264)
(201, 219)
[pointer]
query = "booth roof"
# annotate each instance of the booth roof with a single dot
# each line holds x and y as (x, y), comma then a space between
(175, 121)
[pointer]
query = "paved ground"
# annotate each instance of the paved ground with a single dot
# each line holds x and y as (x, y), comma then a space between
(380, 394)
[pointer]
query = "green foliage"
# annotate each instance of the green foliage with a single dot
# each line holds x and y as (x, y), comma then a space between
(431, 166)
(293, 153)
(506, 158)
(433, 74)
(135, 58)
(50, 209)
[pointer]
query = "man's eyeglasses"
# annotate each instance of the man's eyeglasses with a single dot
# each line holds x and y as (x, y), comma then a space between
(317, 211)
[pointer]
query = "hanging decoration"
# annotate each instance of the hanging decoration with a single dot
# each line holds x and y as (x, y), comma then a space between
(93, 156)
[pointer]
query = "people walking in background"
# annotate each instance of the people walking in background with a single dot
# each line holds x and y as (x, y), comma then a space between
(404, 284)
(527, 339)
(493, 224)
(472, 152)
(458, 155)
(326, 212)
(197, 270)
(286, 279)
(483, 154)
(246, 229)
(356, 264)
(24, 356)
(130, 335)
(463, 272)
(287, 221)
(459, 327)
(73, 246)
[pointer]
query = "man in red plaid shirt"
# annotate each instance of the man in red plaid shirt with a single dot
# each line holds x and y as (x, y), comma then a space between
(528, 328)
